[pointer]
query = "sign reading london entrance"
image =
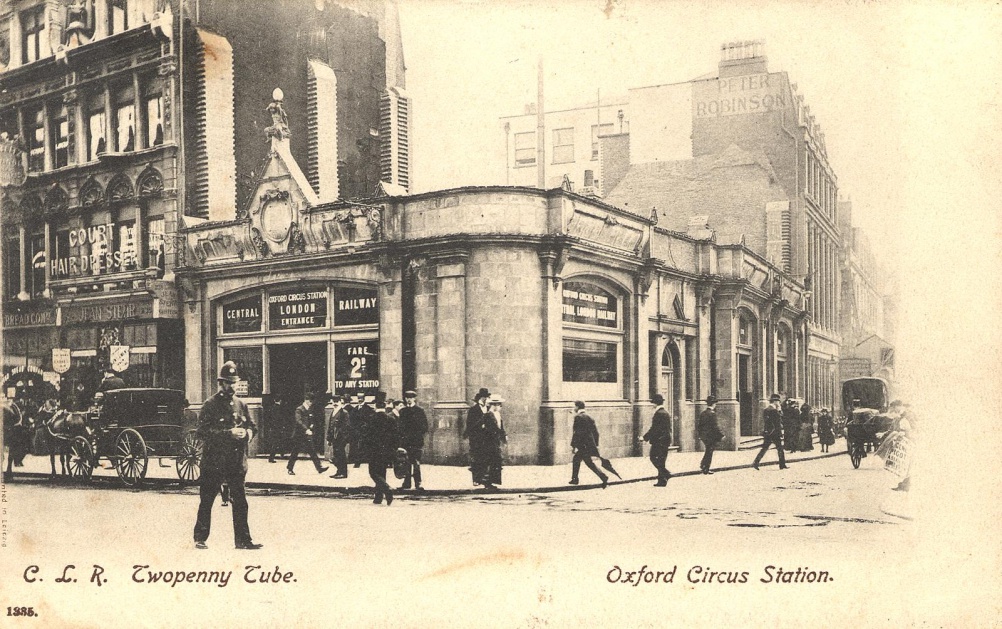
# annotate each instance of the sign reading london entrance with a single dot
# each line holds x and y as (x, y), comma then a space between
(297, 309)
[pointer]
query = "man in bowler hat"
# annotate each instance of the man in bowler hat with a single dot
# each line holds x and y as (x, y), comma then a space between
(413, 427)
(584, 442)
(709, 433)
(381, 448)
(225, 427)
(302, 434)
(337, 436)
(659, 436)
(772, 433)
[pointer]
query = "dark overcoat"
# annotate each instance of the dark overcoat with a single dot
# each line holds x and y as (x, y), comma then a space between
(659, 434)
(223, 454)
(585, 435)
(707, 428)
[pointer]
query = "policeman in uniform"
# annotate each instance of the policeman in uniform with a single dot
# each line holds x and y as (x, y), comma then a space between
(225, 427)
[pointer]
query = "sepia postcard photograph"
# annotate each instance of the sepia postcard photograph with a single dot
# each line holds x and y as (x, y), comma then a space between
(511, 313)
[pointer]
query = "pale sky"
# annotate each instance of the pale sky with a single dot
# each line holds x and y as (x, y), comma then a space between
(906, 92)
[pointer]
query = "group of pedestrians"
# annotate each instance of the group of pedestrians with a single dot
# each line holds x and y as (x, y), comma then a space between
(485, 431)
(387, 434)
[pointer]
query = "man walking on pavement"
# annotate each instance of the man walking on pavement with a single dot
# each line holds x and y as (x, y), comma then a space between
(381, 448)
(302, 435)
(772, 433)
(337, 436)
(225, 427)
(358, 425)
(584, 442)
(709, 433)
(659, 436)
(413, 427)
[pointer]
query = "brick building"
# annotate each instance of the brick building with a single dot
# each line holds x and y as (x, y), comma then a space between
(133, 116)
(542, 296)
(737, 151)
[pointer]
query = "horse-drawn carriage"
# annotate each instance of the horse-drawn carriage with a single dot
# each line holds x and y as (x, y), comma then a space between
(127, 427)
(866, 402)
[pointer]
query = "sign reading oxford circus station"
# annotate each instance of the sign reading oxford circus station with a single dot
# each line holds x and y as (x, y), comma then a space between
(297, 309)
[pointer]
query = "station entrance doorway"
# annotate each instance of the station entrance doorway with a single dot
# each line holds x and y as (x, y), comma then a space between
(294, 369)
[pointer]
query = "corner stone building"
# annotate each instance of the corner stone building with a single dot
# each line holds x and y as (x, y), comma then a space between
(543, 297)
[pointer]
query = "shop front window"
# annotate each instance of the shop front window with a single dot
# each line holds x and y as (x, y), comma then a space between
(592, 337)
(249, 365)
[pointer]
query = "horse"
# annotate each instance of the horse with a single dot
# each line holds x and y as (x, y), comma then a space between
(61, 427)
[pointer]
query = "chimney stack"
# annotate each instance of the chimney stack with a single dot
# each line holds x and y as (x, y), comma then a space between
(742, 58)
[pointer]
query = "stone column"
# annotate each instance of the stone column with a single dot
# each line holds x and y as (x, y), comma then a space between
(22, 242)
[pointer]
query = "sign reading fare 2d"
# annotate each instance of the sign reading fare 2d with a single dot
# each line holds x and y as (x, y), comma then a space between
(297, 309)
(356, 367)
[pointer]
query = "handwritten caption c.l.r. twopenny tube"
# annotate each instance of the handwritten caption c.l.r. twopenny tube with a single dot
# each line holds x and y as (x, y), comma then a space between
(144, 574)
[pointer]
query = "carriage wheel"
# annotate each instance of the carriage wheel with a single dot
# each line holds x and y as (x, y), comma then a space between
(81, 463)
(855, 454)
(189, 459)
(130, 457)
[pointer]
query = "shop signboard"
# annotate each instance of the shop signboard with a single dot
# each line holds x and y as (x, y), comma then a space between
(589, 305)
(116, 310)
(243, 315)
(355, 306)
(297, 309)
(61, 359)
(166, 305)
(118, 356)
(356, 367)
(29, 316)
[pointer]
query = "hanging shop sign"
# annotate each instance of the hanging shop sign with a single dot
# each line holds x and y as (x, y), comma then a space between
(118, 356)
(113, 311)
(297, 309)
(356, 367)
(61, 359)
(243, 315)
(355, 306)
(589, 305)
(166, 305)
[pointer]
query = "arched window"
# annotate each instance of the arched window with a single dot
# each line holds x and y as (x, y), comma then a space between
(744, 331)
(592, 340)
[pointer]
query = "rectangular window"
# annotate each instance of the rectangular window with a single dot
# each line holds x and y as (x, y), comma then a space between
(32, 25)
(125, 127)
(36, 260)
(59, 266)
(125, 246)
(596, 132)
(589, 178)
(154, 120)
(589, 361)
(155, 245)
(563, 146)
(12, 267)
(525, 148)
(249, 362)
(34, 122)
(60, 126)
(118, 16)
(97, 127)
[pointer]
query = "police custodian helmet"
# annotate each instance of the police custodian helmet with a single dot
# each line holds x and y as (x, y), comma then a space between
(228, 372)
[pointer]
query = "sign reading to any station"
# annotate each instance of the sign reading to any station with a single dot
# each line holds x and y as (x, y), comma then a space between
(297, 309)
(356, 367)
(588, 304)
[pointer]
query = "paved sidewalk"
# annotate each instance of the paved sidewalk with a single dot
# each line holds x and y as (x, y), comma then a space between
(455, 480)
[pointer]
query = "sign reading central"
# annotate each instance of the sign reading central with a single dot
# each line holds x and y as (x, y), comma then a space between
(297, 309)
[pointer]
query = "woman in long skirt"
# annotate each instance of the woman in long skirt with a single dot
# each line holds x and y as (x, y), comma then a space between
(826, 430)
